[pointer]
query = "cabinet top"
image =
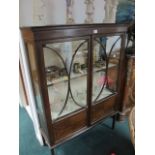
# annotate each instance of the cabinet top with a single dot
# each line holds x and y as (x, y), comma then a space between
(39, 28)
(59, 31)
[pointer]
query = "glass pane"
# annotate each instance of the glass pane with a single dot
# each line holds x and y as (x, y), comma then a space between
(66, 75)
(106, 53)
(113, 50)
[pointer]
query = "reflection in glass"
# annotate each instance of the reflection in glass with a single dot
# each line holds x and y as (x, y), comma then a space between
(66, 75)
(105, 66)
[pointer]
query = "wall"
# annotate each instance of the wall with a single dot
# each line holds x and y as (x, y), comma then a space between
(25, 13)
(48, 12)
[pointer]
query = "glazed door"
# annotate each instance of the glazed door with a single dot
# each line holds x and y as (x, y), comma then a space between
(106, 60)
(66, 76)
(66, 67)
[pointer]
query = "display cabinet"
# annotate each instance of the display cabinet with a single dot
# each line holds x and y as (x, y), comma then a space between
(78, 76)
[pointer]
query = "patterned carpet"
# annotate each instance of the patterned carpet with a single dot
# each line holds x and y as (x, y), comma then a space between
(100, 140)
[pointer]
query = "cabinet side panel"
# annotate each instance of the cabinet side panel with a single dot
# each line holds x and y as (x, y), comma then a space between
(129, 90)
(36, 88)
(122, 74)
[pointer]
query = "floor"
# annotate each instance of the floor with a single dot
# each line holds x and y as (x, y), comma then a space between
(100, 140)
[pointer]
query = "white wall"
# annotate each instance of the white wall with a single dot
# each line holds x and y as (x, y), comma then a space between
(25, 12)
(99, 11)
(49, 12)
(56, 12)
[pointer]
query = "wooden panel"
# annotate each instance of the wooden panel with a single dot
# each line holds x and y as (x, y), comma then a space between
(54, 34)
(129, 90)
(109, 105)
(41, 103)
(61, 31)
(102, 109)
(69, 125)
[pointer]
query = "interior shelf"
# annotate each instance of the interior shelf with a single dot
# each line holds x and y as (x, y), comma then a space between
(77, 75)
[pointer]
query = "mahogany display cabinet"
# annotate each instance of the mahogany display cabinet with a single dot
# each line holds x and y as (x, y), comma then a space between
(78, 76)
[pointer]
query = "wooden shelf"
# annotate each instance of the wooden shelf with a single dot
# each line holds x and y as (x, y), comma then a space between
(77, 75)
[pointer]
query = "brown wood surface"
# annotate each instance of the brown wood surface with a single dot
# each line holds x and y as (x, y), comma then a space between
(129, 90)
(100, 110)
(121, 74)
(44, 91)
(89, 82)
(69, 125)
(63, 31)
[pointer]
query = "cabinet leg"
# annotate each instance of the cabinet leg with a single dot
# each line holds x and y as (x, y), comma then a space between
(113, 121)
(53, 152)
(44, 142)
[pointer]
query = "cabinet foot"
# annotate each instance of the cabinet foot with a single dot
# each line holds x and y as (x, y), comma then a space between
(44, 142)
(53, 152)
(113, 121)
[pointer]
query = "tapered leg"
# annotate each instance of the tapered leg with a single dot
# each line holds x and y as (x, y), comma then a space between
(113, 121)
(53, 152)
(44, 142)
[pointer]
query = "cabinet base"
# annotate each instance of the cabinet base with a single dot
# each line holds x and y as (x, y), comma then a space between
(52, 150)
